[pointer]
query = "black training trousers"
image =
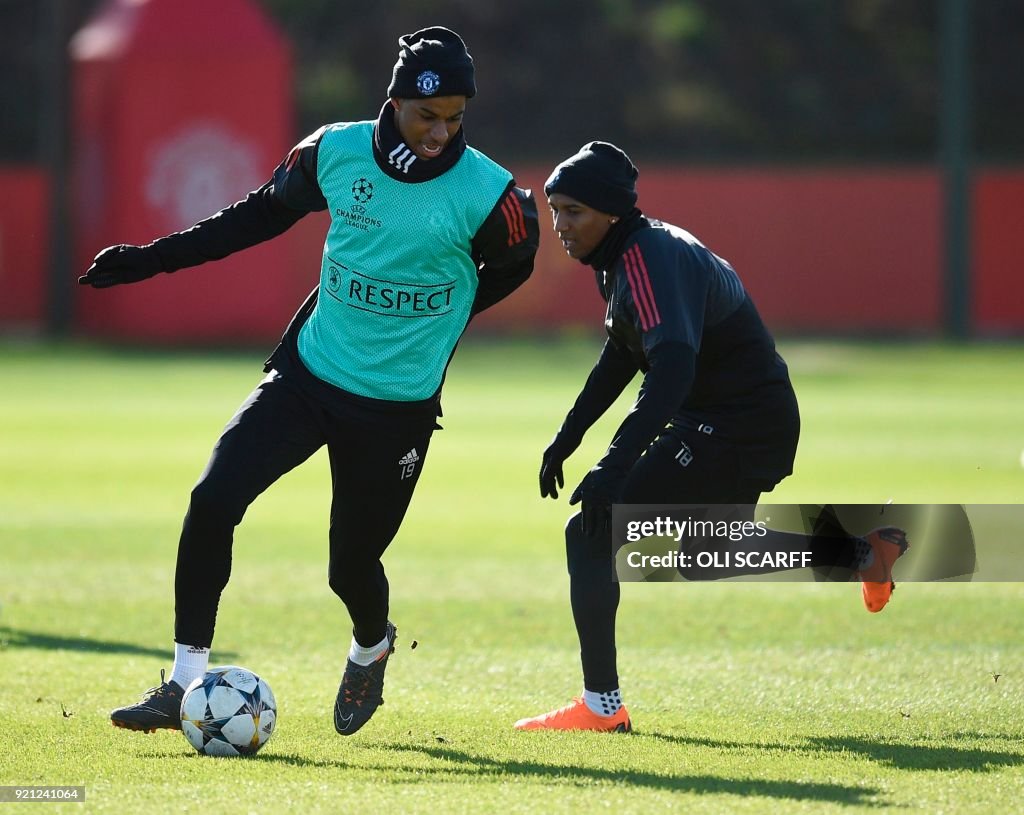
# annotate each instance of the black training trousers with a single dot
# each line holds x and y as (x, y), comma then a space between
(680, 467)
(374, 469)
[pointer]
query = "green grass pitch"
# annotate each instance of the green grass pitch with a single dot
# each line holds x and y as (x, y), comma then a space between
(745, 697)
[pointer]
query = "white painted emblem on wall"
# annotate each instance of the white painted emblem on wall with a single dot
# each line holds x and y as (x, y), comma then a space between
(198, 171)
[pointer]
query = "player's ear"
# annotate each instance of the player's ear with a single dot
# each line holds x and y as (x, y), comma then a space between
(394, 102)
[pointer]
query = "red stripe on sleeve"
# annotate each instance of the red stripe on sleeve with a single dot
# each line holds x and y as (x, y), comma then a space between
(514, 219)
(645, 281)
(509, 221)
(639, 297)
(520, 220)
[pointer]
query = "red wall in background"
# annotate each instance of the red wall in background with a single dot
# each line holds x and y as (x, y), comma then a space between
(833, 250)
(849, 251)
(820, 250)
(172, 121)
(24, 246)
(997, 239)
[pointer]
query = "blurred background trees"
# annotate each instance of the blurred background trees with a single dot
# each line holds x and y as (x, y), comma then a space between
(684, 80)
(912, 110)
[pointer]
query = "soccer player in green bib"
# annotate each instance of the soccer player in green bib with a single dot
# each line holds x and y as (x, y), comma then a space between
(425, 232)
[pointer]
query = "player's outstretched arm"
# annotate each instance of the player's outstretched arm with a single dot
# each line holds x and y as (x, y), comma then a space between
(263, 214)
(121, 264)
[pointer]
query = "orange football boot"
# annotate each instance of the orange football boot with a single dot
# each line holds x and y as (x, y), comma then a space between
(887, 544)
(577, 716)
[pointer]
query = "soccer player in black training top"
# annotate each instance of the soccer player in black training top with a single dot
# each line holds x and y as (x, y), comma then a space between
(716, 420)
(425, 232)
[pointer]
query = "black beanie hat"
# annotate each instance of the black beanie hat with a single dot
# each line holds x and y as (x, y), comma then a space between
(432, 62)
(600, 175)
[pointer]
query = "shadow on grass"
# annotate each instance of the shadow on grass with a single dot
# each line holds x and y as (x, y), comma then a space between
(11, 638)
(922, 756)
(461, 766)
(898, 755)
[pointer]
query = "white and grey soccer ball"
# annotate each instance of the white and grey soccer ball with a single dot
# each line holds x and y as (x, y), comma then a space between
(229, 711)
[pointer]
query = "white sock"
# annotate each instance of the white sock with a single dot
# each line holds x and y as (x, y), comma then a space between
(366, 656)
(190, 662)
(603, 704)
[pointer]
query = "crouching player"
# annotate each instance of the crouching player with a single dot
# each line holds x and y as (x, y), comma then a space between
(715, 422)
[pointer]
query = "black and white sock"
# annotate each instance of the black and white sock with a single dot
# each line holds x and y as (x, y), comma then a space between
(605, 703)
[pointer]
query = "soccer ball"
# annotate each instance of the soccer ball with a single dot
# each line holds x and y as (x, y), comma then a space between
(229, 711)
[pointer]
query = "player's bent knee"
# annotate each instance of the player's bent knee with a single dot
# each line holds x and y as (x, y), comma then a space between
(351, 581)
(340, 583)
(212, 503)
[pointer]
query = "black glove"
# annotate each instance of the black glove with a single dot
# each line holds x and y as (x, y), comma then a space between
(599, 489)
(122, 264)
(551, 478)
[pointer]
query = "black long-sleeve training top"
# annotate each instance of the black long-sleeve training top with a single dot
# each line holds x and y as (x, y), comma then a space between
(679, 313)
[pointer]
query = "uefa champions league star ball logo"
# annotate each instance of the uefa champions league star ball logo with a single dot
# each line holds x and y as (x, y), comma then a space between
(428, 82)
(362, 190)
